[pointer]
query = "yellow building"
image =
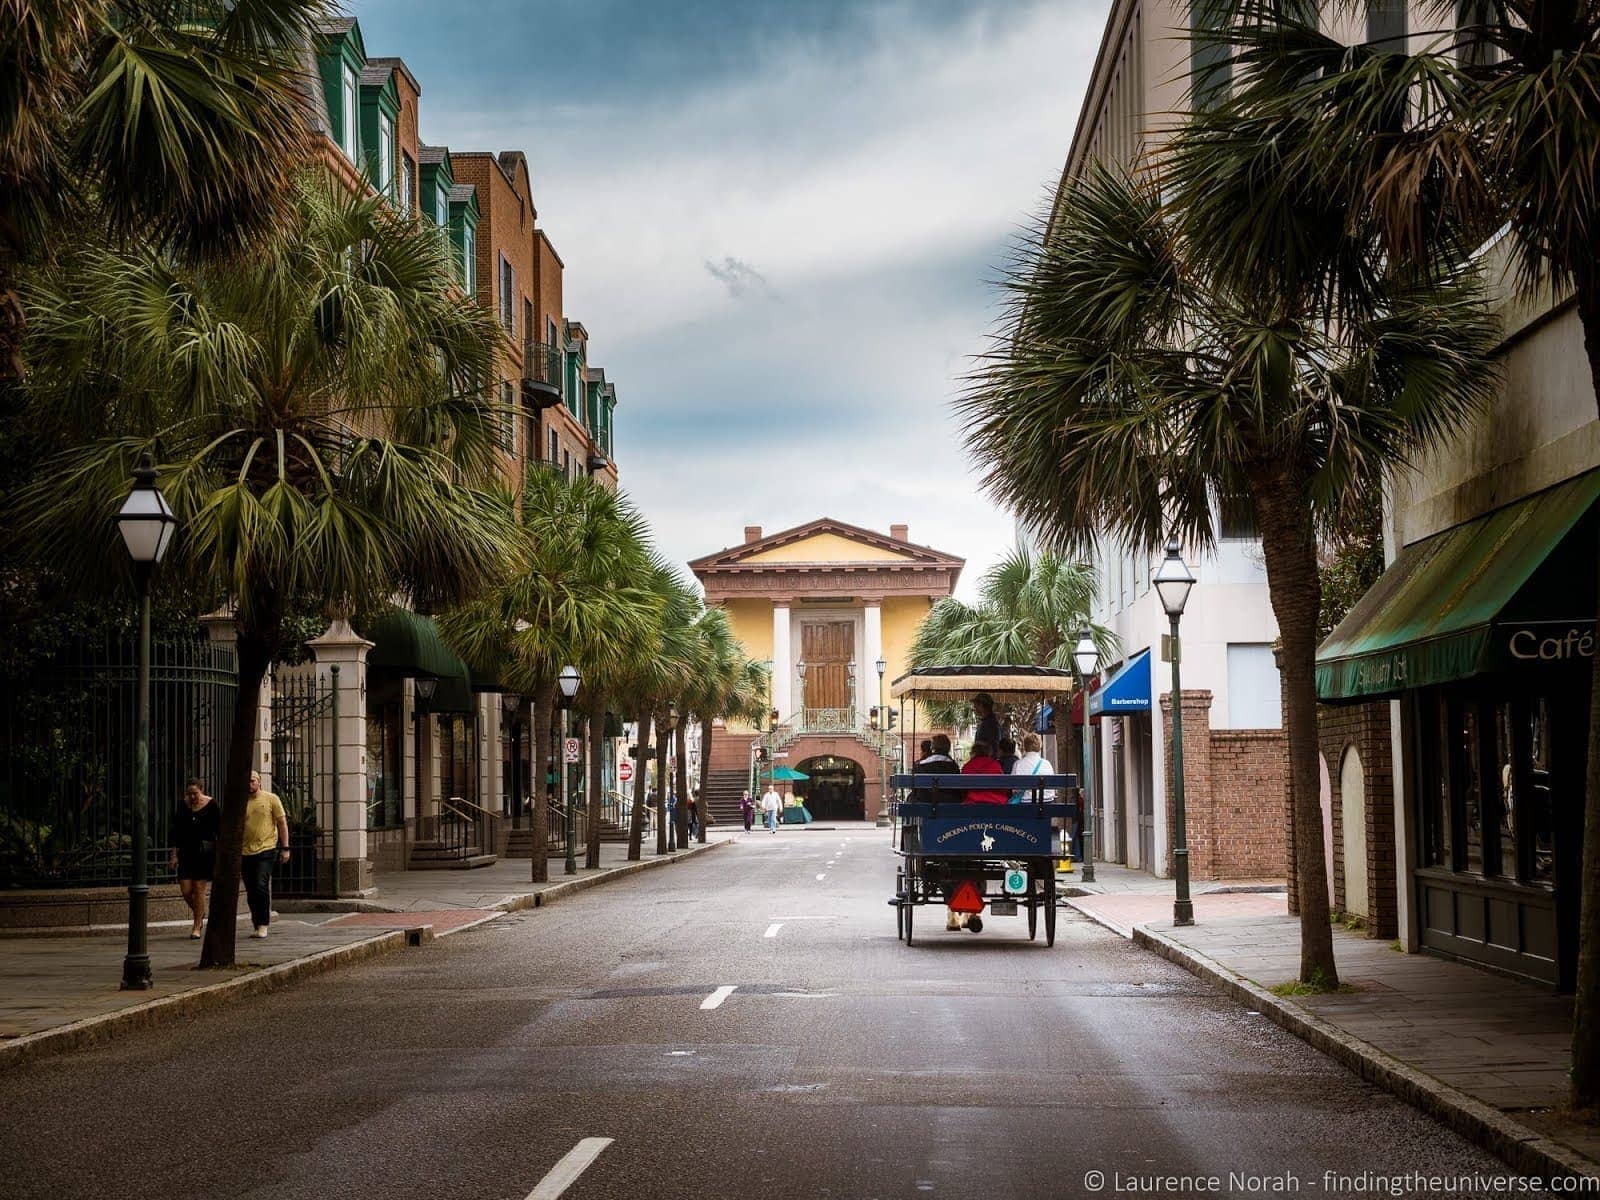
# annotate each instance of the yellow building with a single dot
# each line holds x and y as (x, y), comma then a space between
(834, 608)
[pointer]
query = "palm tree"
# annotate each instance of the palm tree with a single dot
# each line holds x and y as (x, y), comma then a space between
(572, 590)
(728, 686)
(1491, 120)
(182, 124)
(654, 682)
(312, 433)
(1032, 607)
(1135, 389)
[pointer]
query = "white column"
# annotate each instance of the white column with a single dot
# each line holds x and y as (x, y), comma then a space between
(221, 627)
(489, 751)
(344, 648)
(782, 664)
(867, 672)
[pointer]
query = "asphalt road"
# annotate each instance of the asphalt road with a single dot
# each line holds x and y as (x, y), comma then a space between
(843, 1064)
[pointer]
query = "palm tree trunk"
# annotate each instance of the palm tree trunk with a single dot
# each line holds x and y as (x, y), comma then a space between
(636, 818)
(1288, 544)
(661, 789)
(597, 740)
(681, 748)
(1585, 1073)
(544, 702)
(254, 660)
(705, 775)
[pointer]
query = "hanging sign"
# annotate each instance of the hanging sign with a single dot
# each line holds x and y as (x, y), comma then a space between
(574, 750)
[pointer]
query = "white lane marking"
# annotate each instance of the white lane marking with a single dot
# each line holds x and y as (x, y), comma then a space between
(821, 877)
(812, 917)
(717, 997)
(772, 930)
(565, 1173)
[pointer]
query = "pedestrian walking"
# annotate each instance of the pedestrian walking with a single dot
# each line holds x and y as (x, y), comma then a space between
(266, 840)
(194, 850)
(694, 815)
(747, 809)
(771, 805)
(672, 820)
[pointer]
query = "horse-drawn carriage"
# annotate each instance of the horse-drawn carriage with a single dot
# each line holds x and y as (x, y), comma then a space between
(976, 857)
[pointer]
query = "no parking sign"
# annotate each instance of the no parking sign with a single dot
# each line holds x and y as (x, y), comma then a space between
(574, 750)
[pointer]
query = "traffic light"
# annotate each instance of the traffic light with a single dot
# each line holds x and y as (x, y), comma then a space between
(762, 754)
(893, 718)
(874, 716)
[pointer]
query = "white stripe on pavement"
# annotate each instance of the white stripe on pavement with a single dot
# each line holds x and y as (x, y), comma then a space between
(717, 997)
(820, 878)
(565, 1173)
(772, 930)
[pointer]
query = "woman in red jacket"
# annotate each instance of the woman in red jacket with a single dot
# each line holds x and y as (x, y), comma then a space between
(983, 762)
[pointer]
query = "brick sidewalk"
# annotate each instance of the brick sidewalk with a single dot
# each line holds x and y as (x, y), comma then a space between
(1499, 1042)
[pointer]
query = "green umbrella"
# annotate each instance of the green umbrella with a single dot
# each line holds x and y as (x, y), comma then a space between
(788, 774)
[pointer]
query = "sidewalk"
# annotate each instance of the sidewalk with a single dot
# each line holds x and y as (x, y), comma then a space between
(61, 992)
(1486, 1054)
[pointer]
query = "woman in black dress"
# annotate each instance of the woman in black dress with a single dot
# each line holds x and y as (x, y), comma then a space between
(194, 849)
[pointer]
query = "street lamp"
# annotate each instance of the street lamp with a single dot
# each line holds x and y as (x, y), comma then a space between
(147, 524)
(1172, 580)
(1086, 661)
(883, 751)
(666, 831)
(568, 682)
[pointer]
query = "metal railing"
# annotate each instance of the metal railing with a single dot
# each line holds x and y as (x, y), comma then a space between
(460, 826)
(544, 372)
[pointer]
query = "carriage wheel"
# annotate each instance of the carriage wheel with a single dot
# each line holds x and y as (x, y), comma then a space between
(909, 910)
(1033, 905)
(1050, 909)
(900, 905)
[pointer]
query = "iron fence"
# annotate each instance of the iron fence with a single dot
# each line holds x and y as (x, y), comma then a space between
(305, 716)
(67, 744)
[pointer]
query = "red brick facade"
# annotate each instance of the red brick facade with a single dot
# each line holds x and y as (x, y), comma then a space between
(1233, 780)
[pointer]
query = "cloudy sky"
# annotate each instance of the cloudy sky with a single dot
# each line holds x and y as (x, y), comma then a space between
(780, 220)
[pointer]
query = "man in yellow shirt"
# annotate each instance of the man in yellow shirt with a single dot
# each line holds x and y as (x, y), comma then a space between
(266, 837)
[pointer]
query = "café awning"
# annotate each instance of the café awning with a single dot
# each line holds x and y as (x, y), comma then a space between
(408, 644)
(1128, 689)
(1468, 599)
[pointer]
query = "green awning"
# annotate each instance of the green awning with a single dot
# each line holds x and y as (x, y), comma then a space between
(1469, 600)
(407, 643)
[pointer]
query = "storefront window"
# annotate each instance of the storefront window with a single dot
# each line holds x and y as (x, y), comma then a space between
(457, 778)
(383, 767)
(1469, 786)
(1502, 831)
(1435, 789)
(1541, 814)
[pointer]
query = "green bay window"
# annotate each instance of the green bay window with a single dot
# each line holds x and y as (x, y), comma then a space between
(341, 58)
(380, 117)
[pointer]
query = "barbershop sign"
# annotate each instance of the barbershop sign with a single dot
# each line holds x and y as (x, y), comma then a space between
(1533, 642)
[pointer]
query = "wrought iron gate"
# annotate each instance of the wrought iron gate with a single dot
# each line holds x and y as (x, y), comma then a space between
(305, 718)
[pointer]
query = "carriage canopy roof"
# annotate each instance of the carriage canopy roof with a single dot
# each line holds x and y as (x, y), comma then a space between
(1000, 682)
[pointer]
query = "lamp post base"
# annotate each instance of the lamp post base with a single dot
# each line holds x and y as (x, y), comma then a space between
(1183, 912)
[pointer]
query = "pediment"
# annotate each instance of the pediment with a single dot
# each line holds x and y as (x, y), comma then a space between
(825, 542)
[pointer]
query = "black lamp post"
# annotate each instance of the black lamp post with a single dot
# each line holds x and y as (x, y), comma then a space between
(1173, 579)
(1086, 661)
(147, 524)
(568, 682)
(425, 686)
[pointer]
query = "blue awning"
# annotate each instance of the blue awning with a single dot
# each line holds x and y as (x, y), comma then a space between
(1126, 691)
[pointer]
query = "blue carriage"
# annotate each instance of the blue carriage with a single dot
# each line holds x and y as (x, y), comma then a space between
(972, 858)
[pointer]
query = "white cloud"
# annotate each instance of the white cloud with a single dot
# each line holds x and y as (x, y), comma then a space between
(865, 183)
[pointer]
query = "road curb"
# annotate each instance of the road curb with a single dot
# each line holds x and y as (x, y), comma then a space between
(94, 1030)
(560, 890)
(1520, 1147)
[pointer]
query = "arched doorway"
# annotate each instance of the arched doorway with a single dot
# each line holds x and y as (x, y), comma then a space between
(836, 789)
(1353, 810)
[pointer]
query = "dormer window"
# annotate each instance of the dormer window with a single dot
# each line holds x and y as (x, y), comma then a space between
(347, 130)
(386, 155)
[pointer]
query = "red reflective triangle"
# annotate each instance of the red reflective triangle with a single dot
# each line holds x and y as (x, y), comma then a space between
(968, 898)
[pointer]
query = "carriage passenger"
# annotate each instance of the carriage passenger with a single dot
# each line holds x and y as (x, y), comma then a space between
(983, 762)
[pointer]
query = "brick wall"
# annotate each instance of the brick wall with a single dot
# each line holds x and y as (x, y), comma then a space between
(1363, 729)
(1232, 782)
(1248, 769)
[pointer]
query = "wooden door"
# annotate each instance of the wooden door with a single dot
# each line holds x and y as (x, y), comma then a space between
(827, 648)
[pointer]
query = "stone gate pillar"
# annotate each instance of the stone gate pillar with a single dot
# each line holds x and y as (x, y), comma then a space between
(343, 647)
(223, 629)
